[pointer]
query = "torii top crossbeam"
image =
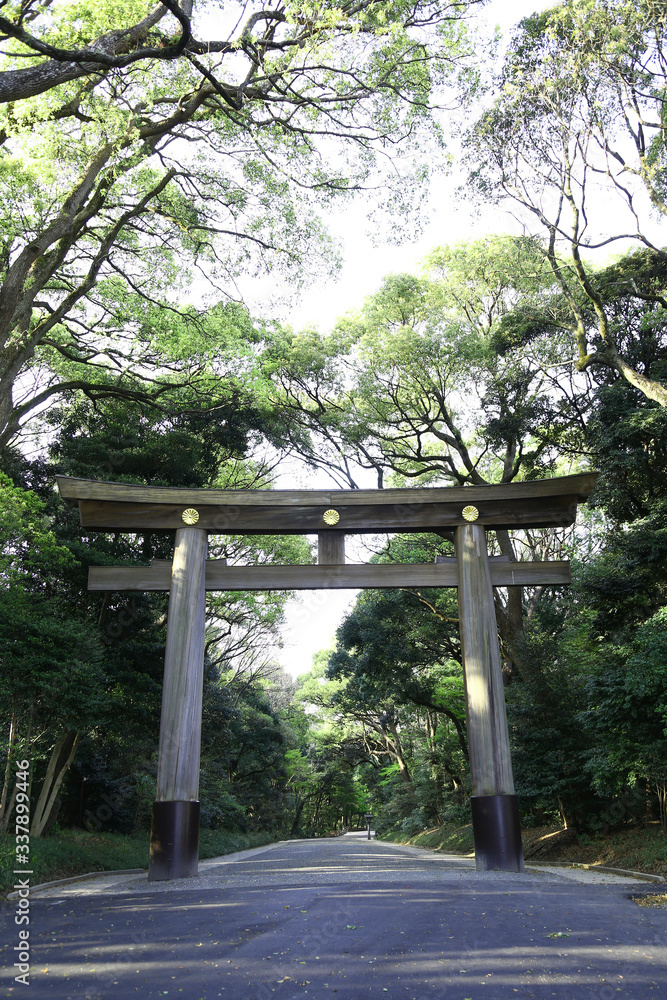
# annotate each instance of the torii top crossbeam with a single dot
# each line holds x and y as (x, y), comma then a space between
(541, 503)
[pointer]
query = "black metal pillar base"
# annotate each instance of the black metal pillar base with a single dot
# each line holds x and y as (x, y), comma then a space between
(497, 833)
(174, 841)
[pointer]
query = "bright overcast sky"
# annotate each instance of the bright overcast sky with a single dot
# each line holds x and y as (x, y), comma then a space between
(365, 264)
(312, 618)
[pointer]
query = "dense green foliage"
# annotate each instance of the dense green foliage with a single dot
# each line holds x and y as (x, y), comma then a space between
(77, 852)
(575, 137)
(153, 158)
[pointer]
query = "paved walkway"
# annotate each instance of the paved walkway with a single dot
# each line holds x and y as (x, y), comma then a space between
(309, 919)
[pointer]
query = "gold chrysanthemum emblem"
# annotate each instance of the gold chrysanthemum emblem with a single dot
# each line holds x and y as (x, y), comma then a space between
(331, 517)
(470, 513)
(190, 515)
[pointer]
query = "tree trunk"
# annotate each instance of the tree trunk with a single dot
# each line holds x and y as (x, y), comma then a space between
(26, 742)
(297, 818)
(661, 790)
(398, 752)
(316, 818)
(4, 812)
(58, 766)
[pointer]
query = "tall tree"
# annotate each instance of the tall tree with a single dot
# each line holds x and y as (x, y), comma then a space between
(385, 389)
(51, 672)
(577, 126)
(132, 178)
(59, 640)
(421, 385)
(74, 43)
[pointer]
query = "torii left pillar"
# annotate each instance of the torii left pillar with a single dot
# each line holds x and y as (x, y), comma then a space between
(175, 821)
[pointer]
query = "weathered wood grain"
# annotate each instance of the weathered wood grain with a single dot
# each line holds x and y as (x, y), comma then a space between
(508, 513)
(405, 500)
(488, 737)
(331, 548)
(180, 724)
(530, 574)
(492, 559)
(351, 576)
(157, 576)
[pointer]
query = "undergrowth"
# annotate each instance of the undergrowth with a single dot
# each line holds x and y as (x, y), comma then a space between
(634, 848)
(76, 852)
(455, 839)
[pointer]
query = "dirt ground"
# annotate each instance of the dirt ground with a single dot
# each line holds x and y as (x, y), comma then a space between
(636, 848)
(633, 848)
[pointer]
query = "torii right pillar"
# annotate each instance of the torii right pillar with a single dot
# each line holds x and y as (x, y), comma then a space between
(495, 807)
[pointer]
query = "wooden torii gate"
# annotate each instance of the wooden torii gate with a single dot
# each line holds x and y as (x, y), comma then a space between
(466, 512)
